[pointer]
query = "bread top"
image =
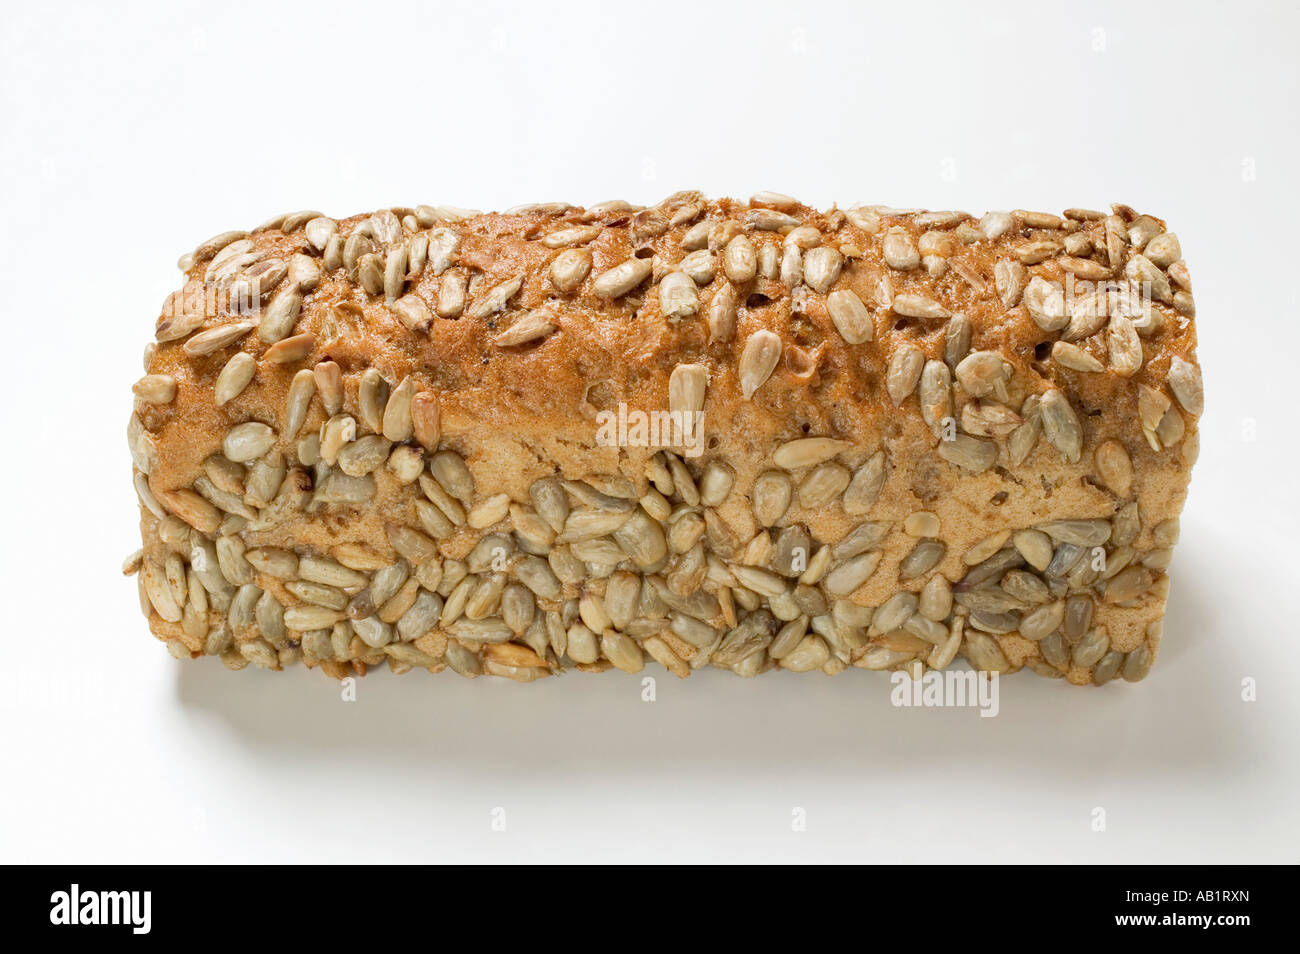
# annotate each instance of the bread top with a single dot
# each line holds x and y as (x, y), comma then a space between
(566, 312)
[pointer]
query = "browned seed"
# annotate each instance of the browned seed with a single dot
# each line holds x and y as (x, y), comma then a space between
(1010, 279)
(851, 317)
(722, 314)
(918, 306)
(191, 508)
(528, 329)
(301, 391)
(216, 338)
(329, 382)
(905, 368)
(740, 260)
(155, 388)
(935, 394)
(807, 452)
(426, 419)
(1185, 381)
(290, 350)
(570, 268)
(397, 424)
(686, 387)
(758, 360)
(1075, 358)
(496, 298)
(622, 278)
(280, 315)
(1045, 302)
(451, 295)
(413, 312)
(821, 267)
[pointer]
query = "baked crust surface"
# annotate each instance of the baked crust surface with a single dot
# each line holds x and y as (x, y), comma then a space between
(988, 378)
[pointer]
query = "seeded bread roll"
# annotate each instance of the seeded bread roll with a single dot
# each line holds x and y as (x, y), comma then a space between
(413, 437)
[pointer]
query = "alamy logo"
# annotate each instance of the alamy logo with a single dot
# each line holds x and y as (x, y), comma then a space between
(950, 688)
(102, 907)
(633, 428)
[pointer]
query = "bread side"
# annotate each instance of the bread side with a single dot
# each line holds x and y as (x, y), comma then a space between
(411, 437)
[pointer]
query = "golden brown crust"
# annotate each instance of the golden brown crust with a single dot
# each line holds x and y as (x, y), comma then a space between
(517, 382)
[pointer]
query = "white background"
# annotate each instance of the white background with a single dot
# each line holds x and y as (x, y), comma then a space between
(130, 134)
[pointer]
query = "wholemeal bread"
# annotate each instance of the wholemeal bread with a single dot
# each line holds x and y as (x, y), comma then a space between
(752, 435)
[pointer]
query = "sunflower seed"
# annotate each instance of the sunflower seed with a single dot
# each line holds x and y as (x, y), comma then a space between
(1083, 533)
(898, 250)
(918, 306)
(496, 298)
(1042, 621)
(1152, 406)
(1010, 279)
(686, 387)
(1075, 358)
(1061, 425)
(214, 339)
(1137, 663)
(282, 564)
(982, 373)
(1045, 302)
(904, 371)
(1185, 381)
(364, 455)
(852, 319)
(807, 452)
(811, 653)
(280, 315)
(305, 617)
(678, 298)
(935, 393)
(1129, 584)
(412, 311)
(234, 377)
(894, 612)
(758, 361)
(822, 485)
(865, 487)
(740, 260)
(821, 267)
(246, 442)
(791, 267)
(642, 539)
(621, 279)
(1114, 467)
(925, 556)
(155, 388)
(969, 453)
(290, 350)
(1107, 668)
(722, 314)
(848, 576)
(760, 581)
(1091, 648)
(771, 495)
(412, 545)
(451, 295)
(463, 661)
(935, 601)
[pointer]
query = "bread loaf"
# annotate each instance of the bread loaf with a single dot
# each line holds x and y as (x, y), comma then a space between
(751, 435)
